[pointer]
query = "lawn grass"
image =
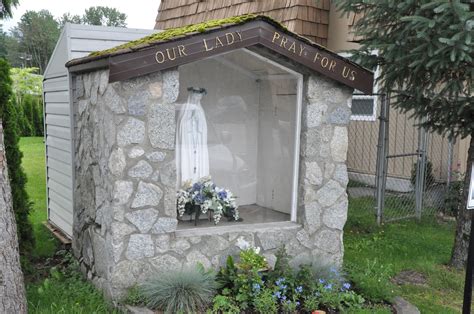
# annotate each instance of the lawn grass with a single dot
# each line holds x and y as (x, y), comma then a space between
(373, 255)
(34, 164)
(60, 291)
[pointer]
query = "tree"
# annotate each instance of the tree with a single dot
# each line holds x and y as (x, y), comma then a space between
(37, 34)
(425, 51)
(26, 82)
(21, 203)
(69, 18)
(12, 298)
(104, 16)
(6, 8)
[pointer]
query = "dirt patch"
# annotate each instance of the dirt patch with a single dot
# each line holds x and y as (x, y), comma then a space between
(410, 277)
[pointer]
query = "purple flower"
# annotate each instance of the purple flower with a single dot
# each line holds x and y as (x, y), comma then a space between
(284, 298)
(277, 294)
(346, 286)
(322, 281)
(298, 303)
(299, 289)
(328, 286)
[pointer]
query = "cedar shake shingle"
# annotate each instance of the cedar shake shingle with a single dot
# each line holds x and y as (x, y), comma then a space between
(308, 18)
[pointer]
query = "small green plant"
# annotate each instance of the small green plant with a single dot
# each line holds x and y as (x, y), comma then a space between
(184, 291)
(264, 302)
(134, 297)
(224, 304)
(311, 303)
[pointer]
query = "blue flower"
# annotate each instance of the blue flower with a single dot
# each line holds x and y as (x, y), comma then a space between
(298, 303)
(346, 286)
(299, 289)
(222, 195)
(284, 298)
(328, 286)
(197, 186)
(256, 287)
(277, 294)
(279, 281)
(322, 281)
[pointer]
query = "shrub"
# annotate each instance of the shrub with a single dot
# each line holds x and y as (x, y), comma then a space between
(429, 177)
(21, 203)
(184, 291)
(454, 198)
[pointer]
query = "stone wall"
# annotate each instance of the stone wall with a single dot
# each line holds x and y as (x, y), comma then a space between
(125, 217)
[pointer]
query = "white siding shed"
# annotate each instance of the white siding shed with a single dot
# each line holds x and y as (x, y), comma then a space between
(75, 41)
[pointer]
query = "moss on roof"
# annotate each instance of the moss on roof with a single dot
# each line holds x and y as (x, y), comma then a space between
(180, 31)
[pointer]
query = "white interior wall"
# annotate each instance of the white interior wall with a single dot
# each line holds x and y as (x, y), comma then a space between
(277, 116)
(251, 125)
(231, 112)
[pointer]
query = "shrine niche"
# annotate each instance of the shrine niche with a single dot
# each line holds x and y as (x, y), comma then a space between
(186, 145)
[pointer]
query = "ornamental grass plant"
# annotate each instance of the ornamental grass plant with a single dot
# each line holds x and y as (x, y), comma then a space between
(185, 291)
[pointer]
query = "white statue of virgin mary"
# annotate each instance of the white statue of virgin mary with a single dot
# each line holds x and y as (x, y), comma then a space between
(192, 156)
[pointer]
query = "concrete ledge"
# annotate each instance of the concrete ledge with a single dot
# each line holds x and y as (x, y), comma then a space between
(220, 230)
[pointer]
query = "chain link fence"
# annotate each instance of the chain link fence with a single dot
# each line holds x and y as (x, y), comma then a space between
(396, 169)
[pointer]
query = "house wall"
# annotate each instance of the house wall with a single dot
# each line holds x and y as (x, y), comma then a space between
(125, 226)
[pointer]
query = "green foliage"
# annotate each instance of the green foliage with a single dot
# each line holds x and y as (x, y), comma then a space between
(429, 177)
(134, 297)
(251, 286)
(65, 291)
(224, 304)
(183, 291)
(104, 16)
(6, 8)
(425, 51)
(69, 18)
(21, 203)
(454, 198)
(265, 303)
(37, 34)
(98, 15)
(26, 81)
(373, 255)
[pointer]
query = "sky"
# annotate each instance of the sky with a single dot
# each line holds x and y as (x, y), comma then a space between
(140, 13)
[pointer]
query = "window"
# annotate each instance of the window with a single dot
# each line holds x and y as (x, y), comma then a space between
(364, 107)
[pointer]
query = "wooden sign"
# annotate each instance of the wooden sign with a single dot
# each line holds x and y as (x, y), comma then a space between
(199, 46)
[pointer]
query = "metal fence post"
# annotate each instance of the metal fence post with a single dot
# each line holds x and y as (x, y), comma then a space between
(420, 171)
(381, 167)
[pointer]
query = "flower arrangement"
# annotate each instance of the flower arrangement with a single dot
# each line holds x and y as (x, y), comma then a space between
(204, 196)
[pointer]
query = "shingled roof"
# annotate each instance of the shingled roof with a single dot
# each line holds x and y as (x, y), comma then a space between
(308, 18)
